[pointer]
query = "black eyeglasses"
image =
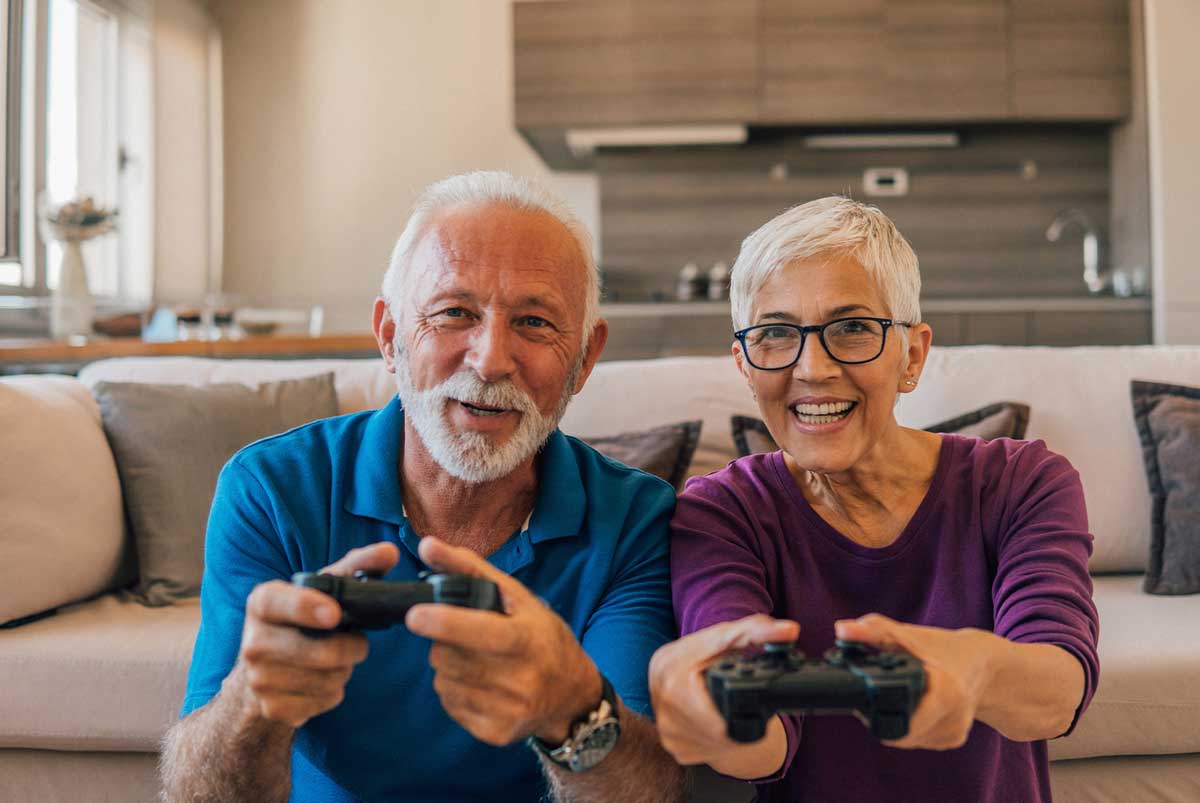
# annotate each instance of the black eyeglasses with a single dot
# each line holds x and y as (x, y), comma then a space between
(850, 341)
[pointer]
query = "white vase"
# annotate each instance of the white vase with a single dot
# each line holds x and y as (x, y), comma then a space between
(71, 305)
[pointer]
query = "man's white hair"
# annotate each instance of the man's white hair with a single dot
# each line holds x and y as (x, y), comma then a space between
(829, 227)
(483, 187)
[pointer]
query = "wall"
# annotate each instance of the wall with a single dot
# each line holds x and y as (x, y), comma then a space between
(183, 168)
(1130, 160)
(336, 115)
(1173, 74)
(975, 219)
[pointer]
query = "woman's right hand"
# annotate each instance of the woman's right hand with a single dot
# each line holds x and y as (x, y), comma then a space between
(689, 725)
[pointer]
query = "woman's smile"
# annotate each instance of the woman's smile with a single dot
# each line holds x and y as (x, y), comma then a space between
(821, 417)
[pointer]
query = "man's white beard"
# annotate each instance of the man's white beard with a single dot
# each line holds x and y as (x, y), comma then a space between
(473, 456)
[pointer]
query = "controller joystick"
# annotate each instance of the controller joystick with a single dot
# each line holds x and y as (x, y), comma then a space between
(882, 688)
(369, 603)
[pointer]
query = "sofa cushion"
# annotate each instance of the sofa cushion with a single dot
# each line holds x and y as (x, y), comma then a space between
(110, 674)
(751, 435)
(1148, 700)
(107, 674)
(170, 442)
(61, 528)
(666, 452)
(1168, 420)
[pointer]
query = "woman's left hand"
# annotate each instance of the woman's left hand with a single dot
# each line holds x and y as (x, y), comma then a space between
(956, 675)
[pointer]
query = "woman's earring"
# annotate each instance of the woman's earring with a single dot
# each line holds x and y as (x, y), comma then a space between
(910, 383)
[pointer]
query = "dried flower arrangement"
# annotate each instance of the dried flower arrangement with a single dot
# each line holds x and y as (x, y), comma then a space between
(77, 221)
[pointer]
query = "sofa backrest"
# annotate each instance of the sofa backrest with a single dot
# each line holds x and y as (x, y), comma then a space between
(1079, 400)
(1080, 405)
(62, 529)
(360, 384)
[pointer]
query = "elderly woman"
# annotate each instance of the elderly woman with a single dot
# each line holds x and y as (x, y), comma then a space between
(969, 554)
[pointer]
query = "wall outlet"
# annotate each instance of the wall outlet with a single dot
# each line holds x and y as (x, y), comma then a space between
(885, 181)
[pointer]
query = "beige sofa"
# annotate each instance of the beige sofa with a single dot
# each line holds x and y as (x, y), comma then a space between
(86, 694)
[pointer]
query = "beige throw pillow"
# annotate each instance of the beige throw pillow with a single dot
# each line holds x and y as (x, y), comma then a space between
(61, 529)
(170, 443)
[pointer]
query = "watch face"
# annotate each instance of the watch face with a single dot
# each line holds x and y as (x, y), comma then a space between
(596, 745)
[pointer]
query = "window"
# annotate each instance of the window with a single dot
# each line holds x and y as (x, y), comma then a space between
(96, 129)
(10, 141)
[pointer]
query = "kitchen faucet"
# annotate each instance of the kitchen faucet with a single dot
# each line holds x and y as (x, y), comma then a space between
(1091, 245)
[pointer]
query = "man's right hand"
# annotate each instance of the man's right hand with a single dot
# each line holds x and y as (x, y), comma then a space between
(285, 676)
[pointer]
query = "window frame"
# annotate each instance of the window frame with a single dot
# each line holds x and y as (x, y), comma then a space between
(31, 108)
(14, 65)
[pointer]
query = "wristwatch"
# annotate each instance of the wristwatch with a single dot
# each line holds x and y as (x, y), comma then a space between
(592, 737)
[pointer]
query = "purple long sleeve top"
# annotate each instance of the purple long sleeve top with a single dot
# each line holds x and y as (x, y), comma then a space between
(1000, 542)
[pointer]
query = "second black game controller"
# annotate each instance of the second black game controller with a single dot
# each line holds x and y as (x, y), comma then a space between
(882, 688)
(369, 603)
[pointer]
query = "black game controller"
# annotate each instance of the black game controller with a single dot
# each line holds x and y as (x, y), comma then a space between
(369, 603)
(881, 688)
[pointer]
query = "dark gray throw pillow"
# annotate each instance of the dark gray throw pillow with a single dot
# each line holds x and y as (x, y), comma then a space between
(666, 452)
(170, 442)
(999, 420)
(1168, 424)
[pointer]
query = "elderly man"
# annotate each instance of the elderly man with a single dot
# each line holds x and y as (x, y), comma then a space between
(489, 320)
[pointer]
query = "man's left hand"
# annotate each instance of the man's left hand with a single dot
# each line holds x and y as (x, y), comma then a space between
(503, 677)
(956, 675)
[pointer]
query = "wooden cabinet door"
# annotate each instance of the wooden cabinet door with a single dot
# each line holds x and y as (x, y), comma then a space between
(823, 62)
(947, 60)
(631, 62)
(1070, 59)
(871, 61)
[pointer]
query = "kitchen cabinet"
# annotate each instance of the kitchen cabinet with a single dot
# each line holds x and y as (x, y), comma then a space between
(635, 62)
(874, 61)
(592, 63)
(1070, 59)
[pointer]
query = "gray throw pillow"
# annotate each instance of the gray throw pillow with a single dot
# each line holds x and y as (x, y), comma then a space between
(1168, 423)
(666, 452)
(999, 420)
(170, 443)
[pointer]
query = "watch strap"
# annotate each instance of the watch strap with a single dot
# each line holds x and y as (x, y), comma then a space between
(605, 711)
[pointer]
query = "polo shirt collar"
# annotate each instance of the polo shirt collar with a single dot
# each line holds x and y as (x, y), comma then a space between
(561, 503)
(374, 492)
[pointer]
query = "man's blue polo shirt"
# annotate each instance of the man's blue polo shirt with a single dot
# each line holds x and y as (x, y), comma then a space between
(595, 551)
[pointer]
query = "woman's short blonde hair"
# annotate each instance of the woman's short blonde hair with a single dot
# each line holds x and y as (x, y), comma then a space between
(831, 227)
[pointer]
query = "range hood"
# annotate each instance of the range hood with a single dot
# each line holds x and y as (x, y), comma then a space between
(583, 142)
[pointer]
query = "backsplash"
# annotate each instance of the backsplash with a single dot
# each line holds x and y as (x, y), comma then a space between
(975, 214)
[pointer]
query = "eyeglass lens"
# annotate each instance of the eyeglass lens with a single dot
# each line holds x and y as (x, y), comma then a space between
(850, 340)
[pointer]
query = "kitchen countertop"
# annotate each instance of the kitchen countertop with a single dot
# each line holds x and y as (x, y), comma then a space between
(935, 305)
(43, 350)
